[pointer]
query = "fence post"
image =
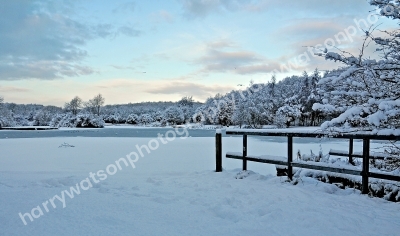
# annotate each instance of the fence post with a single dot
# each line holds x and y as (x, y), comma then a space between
(351, 151)
(244, 151)
(290, 156)
(365, 166)
(218, 150)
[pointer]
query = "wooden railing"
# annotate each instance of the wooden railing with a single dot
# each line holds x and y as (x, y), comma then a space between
(288, 160)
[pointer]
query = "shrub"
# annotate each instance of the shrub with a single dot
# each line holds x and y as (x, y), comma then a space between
(145, 119)
(132, 119)
(174, 115)
(80, 120)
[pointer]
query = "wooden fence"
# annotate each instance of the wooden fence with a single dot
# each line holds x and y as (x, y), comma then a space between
(288, 161)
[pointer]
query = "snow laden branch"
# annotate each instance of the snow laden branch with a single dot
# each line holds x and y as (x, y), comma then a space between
(365, 94)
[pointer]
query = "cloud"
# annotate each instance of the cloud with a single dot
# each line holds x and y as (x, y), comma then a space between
(202, 8)
(38, 40)
(198, 91)
(317, 6)
(123, 67)
(226, 56)
(12, 89)
(343, 33)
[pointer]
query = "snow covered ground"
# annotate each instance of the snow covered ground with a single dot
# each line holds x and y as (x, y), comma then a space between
(172, 190)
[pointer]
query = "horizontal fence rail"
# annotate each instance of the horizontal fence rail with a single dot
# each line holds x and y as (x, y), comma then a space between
(288, 160)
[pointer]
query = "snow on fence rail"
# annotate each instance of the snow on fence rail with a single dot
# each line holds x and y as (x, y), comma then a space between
(288, 161)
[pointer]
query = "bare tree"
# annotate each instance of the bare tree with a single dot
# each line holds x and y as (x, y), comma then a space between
(94, 105)
(74, 105)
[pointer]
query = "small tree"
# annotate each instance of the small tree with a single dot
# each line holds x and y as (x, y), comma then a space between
(94, 105)
(6, 116)
(186, 105)
(186, 101)
(225, 113)
(74, 105)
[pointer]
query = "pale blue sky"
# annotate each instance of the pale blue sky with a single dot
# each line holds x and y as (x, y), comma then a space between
(133, 51)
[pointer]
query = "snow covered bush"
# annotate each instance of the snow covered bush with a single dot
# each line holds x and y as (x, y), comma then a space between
(6, 119)
(80, 120)
(287, 114)
(132, 119)
(42, 118)
(89, 121)
(186, 105)
(114, 118)
(174, 115)
(21, 120)
(57, 121)
(157, 116)
(145, 119)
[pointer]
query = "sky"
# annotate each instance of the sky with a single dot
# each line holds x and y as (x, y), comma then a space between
(162, 50)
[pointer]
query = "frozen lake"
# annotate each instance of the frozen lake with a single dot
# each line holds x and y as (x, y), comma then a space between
(123, 132)
(172, 190)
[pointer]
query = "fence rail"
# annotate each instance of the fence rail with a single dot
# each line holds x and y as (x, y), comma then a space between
(288, 160)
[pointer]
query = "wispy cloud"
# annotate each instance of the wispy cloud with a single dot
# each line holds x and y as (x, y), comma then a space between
(12, 89)
(198, 91)
(123, 67)
(227, 56)
(202, 8)
(38, 40)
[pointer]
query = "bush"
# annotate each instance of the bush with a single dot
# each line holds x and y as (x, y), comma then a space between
(42, 118)
(6, 119)
(21, 120)
(145, 119)
(174, 115)
(80, 120)
(115, 118)
(89, 121)
(132, 119)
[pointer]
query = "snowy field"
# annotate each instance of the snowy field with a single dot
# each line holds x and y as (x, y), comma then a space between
(172, 190)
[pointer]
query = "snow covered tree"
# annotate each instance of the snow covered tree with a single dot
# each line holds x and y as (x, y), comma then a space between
(157, 116)
(94, 105)
(186, 101)
(174, 115)
(366, 94)
(132, 119)
(186, 105)
(6, 116)
(239, 115)
(225, 113)
(42, 118)
(198, 116)
(145, 119)
(74, 105)
(288, 113)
